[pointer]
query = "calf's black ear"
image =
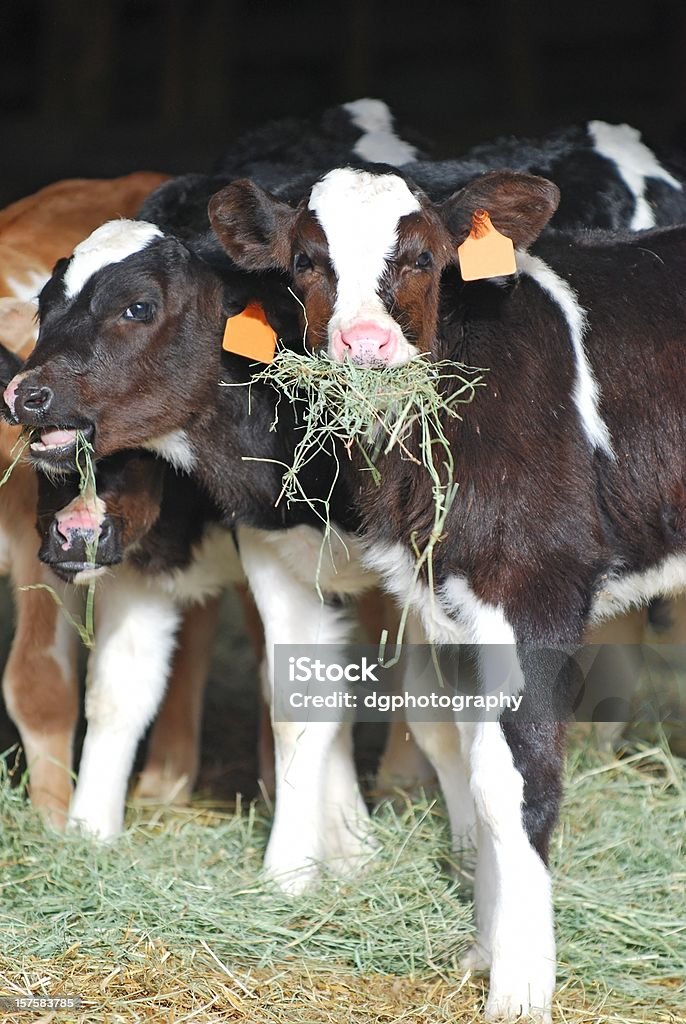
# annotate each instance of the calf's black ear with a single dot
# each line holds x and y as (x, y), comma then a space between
(519, 205)
(252, 226)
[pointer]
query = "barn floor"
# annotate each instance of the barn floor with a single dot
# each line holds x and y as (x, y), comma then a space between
(173, 923)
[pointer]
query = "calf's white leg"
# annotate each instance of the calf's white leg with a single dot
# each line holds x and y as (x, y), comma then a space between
(513, 899)
(514, 777)
(319, 816)
(173, 757)
(440, 742)
(127, 673)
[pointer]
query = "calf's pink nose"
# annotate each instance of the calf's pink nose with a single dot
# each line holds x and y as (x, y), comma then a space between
(365, 331)
(10, 392)
(77, 517)
(365, 342)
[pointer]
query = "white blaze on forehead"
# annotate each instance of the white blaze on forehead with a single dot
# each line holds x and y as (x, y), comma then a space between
(359, 214)
(379, 144)
(635, 163)
(110, 243)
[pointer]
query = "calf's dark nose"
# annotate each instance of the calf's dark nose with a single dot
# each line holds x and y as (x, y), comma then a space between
(31, 400)
(109, 551)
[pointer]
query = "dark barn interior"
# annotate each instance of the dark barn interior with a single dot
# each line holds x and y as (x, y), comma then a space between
(120, 85)
(101, 89)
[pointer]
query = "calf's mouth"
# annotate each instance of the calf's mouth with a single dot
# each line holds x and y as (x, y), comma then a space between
(55, 447)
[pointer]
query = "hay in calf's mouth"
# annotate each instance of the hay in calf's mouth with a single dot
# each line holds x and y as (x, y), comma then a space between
(88, 491)
(374, 411)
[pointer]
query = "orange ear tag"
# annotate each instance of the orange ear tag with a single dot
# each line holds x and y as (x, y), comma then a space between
(250, 334)
(485, 252)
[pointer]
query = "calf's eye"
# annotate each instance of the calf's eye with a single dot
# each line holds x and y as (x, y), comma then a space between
(138, 311)
(302, 262)
(424, 261)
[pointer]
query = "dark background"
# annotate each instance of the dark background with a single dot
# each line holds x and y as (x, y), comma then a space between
(90, 87)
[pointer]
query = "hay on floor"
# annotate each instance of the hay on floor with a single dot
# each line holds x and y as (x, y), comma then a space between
(173, 922)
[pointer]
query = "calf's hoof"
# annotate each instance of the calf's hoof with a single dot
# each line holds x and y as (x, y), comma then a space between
(507, 1011)
(97, 823)
(521, 991)
(294, 879)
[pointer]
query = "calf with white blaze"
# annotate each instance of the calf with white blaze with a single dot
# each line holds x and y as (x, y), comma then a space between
(39, 681)
(570, 465)
(133, 359)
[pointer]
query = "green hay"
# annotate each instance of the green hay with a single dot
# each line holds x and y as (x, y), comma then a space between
(375, 411)
(87, 489)
(176, 910)
(17, 450)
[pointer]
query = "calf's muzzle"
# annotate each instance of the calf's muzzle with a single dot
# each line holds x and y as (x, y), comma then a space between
(80, 538)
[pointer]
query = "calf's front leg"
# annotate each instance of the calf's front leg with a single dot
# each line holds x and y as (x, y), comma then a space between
(173, 757)
(515, 771)
(136, 625)
(319, 816)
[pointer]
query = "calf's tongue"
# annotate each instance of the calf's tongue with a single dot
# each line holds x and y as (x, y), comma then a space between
(58, 437)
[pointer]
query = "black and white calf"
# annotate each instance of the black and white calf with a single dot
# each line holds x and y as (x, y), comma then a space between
(362, 129)
(153, 541)
(289, 153)
(571, 467)
(608, 177)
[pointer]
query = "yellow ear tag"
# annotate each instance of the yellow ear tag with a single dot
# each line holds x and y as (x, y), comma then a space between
(485, 252)
(250, 334)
